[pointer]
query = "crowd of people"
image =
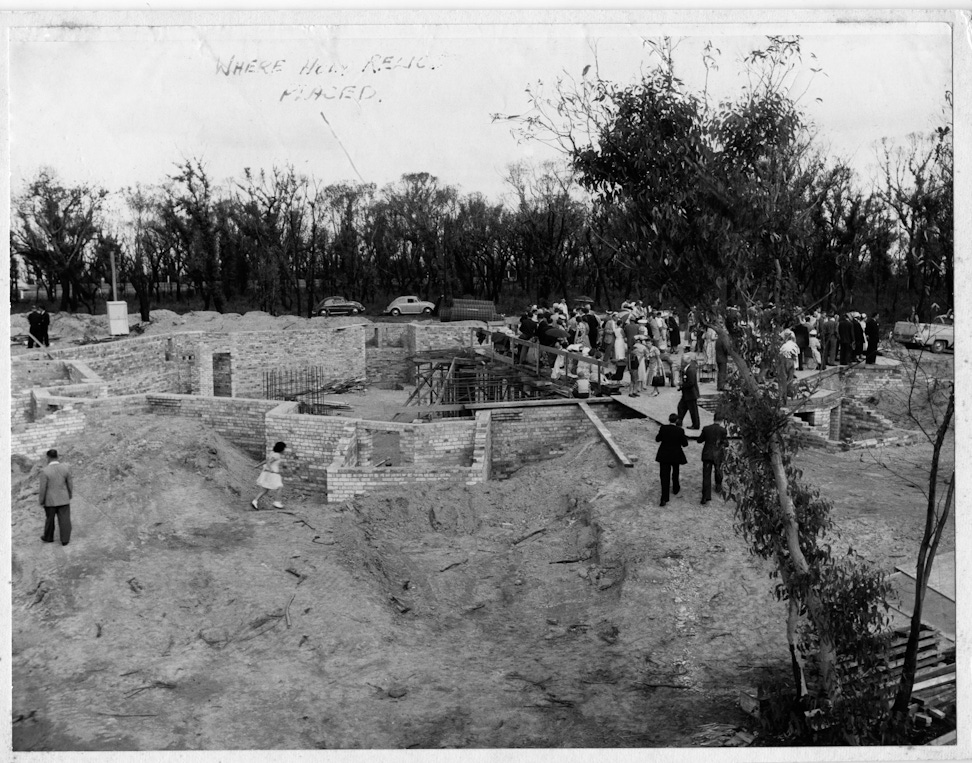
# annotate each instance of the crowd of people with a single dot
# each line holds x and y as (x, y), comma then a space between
(645, 343)
(823, 339)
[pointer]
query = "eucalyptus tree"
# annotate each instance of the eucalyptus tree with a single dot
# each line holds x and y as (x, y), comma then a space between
(719, 202)
(54, 230)
(918, 190)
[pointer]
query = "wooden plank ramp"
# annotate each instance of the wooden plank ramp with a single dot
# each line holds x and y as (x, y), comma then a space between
(605, 434)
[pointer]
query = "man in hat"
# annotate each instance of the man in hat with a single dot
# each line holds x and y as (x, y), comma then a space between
(54, 494)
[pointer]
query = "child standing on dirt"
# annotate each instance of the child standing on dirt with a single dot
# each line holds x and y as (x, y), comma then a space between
(270, 479)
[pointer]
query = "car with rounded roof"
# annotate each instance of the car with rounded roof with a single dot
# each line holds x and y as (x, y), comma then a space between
(409, 305)
(337, 306)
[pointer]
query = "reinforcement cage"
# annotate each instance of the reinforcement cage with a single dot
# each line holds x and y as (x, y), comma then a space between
(309, 387)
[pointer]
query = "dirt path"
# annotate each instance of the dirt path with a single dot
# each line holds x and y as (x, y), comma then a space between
(559, 608)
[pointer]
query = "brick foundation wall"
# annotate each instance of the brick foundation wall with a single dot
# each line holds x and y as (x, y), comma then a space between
(387, 366)
(436, 450)
(483, 445)
(449, 442)
(340, 350)
(162, 363)
(423, 337)
(34, 440)
(858, 422)
(344, 483)
(313, 442)
(239, 420)
(21, 409)
(526, 435)
(25, 374)
(862, 381)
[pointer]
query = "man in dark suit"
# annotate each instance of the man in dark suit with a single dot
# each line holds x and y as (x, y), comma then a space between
(713, 438)
(674, 332)
(670, 455)
(845, 333)
(828, 338)
(54, 494)
(873, 333)
(689, 402)
(593, 325)
(801, 334)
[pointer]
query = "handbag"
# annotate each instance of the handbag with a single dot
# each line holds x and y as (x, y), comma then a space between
(658, 381)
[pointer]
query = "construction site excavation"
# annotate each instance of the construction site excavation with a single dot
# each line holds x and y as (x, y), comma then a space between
(467, 555)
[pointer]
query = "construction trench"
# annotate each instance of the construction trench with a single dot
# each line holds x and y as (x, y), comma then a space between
(484, 566)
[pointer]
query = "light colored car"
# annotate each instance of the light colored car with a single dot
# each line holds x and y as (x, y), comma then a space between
(337, 306)
(409, 305)
(938, 336)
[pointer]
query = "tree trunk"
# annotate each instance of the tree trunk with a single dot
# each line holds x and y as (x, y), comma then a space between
(827, 656)
(934, 525)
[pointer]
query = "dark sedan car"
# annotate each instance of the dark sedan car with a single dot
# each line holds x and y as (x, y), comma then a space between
(337, 306)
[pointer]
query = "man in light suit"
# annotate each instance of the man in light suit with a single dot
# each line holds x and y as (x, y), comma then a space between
(54, 495)
(689, 402)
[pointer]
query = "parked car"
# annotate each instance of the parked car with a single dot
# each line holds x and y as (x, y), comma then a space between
(337, 306)
(937, 336)
(410, 305)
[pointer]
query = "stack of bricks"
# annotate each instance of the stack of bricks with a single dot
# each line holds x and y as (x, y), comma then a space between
(35, 439)
(242, 421)
(523, 435)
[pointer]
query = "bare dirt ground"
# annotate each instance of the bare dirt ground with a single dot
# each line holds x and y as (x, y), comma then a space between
(559, 608)
(425, 618)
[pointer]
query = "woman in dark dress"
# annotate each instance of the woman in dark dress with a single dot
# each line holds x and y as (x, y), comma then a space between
(670, 455)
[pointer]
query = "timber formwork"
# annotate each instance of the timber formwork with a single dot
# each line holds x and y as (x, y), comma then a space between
(467, 378)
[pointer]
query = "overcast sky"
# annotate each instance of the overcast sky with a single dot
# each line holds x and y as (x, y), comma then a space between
(118, 106)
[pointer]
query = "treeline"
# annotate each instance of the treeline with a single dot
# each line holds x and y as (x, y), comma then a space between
(279, 241)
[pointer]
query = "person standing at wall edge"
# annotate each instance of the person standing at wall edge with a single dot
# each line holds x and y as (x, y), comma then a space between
(54, 493)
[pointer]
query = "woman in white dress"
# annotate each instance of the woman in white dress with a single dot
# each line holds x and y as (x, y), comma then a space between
(620, 351)
(709, 343)
(270, 479)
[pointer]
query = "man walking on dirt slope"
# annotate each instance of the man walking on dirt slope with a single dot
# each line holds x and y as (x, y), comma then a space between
(54, 494)
(713, 438)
